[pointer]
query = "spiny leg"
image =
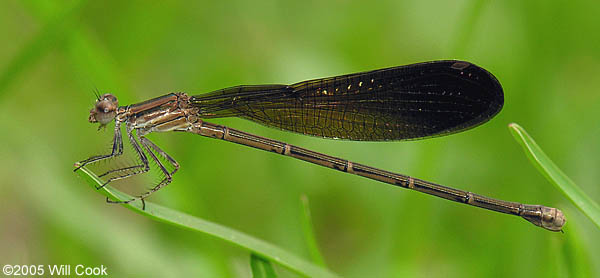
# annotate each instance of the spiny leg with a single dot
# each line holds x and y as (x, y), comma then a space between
(145, 165)
(117, 149)
(150, 146)
(121, 169)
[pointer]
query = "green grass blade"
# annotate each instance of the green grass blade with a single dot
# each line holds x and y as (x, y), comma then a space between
(555, 175)
(309, 233)
(261, 268)
(254, 245)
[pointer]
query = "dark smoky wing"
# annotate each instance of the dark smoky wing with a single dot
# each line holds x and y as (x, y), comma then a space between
(400, 103)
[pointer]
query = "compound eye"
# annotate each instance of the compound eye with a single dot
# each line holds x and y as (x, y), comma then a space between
(105, 110)
(104, 106)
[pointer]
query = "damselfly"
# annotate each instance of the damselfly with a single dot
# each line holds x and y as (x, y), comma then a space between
(401, 103)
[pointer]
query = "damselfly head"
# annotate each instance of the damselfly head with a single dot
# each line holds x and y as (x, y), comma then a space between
(104, 110)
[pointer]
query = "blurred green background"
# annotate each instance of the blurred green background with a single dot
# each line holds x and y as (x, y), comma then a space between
(54, 54)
